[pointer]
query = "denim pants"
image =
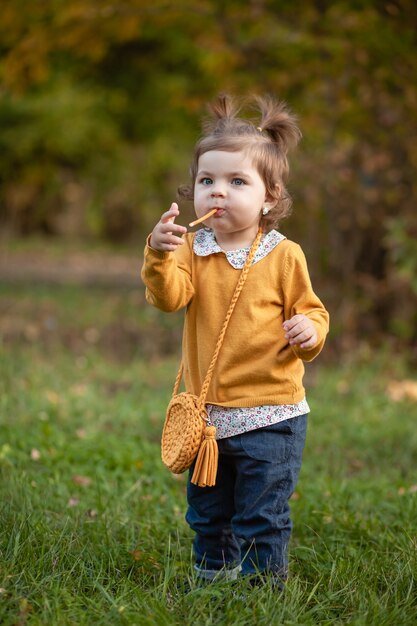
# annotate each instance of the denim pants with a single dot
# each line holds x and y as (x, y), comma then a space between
(243, 522)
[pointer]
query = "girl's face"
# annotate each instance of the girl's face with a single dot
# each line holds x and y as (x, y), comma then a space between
(229, 182)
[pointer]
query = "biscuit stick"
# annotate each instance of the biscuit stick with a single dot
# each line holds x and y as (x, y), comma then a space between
(201, 219)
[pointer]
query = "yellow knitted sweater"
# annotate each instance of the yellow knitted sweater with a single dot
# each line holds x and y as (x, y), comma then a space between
(256, 365)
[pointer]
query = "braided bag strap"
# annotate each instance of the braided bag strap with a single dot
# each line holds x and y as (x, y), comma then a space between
(178, 380)
(236, 294)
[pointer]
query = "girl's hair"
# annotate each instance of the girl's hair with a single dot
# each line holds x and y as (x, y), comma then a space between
(267, 142)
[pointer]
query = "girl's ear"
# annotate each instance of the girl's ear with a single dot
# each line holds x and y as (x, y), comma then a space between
(271, 199)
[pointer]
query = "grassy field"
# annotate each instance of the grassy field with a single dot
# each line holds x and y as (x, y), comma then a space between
(91, 524)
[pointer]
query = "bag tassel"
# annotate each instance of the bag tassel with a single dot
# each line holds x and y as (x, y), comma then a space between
(205, 470)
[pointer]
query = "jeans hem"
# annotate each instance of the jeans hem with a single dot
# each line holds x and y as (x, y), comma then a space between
(218, 574)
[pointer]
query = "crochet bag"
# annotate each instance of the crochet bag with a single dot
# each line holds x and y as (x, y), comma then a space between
(187, 432)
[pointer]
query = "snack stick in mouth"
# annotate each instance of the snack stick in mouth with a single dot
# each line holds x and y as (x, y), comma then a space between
(201, 219)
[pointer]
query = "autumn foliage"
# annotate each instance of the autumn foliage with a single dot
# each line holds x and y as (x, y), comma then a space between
(100, 104)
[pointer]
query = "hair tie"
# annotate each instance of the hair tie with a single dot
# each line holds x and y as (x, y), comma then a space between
(259, 128)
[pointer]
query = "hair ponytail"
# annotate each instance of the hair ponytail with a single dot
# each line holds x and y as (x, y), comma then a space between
(278, 122)
(223, 114)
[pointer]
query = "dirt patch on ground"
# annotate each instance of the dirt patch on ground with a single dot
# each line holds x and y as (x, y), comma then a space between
(72, 267)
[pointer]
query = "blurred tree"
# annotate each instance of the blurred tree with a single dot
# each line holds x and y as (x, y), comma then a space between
(100, 105)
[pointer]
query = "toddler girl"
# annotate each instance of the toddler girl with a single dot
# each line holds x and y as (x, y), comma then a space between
(256, 397)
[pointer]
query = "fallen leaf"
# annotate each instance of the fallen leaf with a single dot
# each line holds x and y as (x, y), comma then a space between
(92, 335)
(79, 390)
(31, 332)
(92, 513)
(52, 397)
(343, 387)
(83, 481)
(136, 554)
(402, 390)
(24, 609)
(154, 562)
(356, 464)
(403, 490)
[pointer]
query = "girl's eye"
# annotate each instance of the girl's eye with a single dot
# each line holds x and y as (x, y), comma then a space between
(206, 181)
(238, 181)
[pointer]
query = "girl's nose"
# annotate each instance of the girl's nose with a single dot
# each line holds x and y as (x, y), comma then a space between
(215, 193)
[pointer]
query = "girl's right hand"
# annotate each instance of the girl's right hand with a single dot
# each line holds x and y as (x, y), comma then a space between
(164, 236)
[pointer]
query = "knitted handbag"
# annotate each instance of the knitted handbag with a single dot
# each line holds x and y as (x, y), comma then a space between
(187, 432)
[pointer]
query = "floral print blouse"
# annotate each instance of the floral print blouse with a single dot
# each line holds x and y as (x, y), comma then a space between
(230, 421)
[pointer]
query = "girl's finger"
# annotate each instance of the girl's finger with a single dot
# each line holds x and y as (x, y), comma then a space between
(169, 247)
(173, 240)
(296, 330)
(304, 335)
(308, 344)
(171, 227)
(171, 214)
(289, 324)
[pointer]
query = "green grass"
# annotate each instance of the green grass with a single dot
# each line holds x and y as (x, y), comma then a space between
(92, 526)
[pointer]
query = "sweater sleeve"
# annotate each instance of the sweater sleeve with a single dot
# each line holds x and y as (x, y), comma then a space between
(299, 298)
(167, 277)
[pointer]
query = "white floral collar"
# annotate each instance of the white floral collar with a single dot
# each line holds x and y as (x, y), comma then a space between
(205, 243)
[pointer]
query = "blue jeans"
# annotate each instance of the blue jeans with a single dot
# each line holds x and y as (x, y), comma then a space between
(243, 522)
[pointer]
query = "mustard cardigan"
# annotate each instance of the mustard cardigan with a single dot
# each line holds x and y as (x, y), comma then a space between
(256, 364)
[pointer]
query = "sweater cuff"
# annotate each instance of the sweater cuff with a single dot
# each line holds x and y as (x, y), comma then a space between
(158, 254)
(308, 354)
